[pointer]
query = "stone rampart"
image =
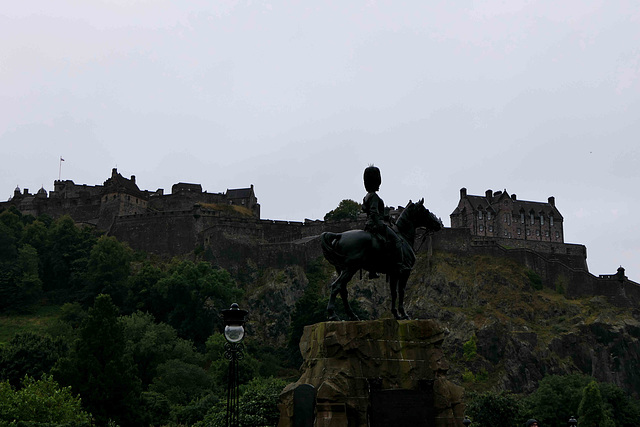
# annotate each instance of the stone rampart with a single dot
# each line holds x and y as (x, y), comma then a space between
(562, 267)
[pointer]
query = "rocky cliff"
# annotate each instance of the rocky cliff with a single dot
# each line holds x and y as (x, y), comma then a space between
(506, 330)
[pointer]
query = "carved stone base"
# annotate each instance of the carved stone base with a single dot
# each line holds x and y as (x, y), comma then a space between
(397, 365)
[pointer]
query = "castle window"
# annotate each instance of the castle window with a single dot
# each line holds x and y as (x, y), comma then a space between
(532, 218)
(491, 228)
(551, 220)
(519, 231)
(522, 217)
(506, 234)
(541, 219)
(481, 228)
(538, 233)
(528, 232)
(479, 214)
(546, 233)
(557, 234)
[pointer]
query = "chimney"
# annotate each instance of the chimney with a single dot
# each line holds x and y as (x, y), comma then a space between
(552, 201)
(114, 172)
(488, 194)
(513, 197)
(25, 191)
(463, 193)
(133, 179)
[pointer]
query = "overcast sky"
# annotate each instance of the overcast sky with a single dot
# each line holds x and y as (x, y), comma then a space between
(541, 98)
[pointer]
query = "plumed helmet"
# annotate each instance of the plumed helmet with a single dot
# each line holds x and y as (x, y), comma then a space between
(372, 179)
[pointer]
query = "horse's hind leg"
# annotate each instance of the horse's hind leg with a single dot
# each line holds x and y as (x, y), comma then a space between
(335, 289)
(393, 286)
(402, 285)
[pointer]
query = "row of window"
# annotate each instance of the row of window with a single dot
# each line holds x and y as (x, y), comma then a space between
(519, 231)
(507, 217)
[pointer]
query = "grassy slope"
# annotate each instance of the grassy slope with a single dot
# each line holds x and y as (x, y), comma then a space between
(36, 322)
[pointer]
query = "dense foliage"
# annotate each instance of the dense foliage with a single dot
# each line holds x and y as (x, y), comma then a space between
(41, 401)
(347, 209)
(136, 339)
(558, 398)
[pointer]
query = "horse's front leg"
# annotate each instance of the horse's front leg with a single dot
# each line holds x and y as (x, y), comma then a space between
(402, 285)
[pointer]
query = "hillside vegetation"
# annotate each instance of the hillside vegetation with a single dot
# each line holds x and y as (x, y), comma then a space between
(83, 315)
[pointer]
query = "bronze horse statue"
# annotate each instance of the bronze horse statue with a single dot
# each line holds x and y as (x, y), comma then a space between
(353, 250)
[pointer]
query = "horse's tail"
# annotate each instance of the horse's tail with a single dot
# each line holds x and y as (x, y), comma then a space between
(329, 243)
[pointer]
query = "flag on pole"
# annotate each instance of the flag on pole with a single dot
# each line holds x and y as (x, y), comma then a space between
(61, 159)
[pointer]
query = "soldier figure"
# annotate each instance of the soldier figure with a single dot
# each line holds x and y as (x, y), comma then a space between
(373, 206)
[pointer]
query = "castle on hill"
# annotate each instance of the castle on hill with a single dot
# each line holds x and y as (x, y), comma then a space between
(101, 205)
(226, 228)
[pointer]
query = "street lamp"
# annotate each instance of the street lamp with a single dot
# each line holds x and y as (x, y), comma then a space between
(573, 422)
(234, 320)
(466, 421)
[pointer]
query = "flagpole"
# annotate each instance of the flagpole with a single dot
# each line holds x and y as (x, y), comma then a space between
(60, 168)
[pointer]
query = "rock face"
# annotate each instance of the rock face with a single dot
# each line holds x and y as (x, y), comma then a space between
(349, 363)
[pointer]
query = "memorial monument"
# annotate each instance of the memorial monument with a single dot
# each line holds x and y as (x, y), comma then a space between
(376, 373)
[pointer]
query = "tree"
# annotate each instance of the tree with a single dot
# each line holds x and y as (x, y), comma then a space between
(591, 410)
(41, 401)
(29, 354)
(181, 382)
(258, 405)
(556, 399)
(108, 269)
(491, 409)
(347, 209)
(619, 406)
(188, 297)
(151, 344)
(65, 256)
(99, 369)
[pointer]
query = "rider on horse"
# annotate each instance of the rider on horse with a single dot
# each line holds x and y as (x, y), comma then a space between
(373, 206)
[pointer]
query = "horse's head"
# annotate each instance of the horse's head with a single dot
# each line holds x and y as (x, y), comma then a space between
(421, 217)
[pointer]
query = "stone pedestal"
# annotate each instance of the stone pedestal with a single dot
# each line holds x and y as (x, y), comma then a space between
(348, 363)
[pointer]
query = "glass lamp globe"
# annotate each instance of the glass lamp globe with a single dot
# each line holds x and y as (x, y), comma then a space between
(234, 333)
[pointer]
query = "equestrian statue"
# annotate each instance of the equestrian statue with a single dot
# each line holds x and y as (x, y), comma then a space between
(379, 248)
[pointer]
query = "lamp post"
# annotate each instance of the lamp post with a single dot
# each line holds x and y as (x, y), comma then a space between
(466, 421)
(234, 320)
(573, 422)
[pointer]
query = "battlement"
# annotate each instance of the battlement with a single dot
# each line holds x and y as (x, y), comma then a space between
(121, 197)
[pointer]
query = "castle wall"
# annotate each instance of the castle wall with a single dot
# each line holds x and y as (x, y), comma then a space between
(561, 266)
(167, 233)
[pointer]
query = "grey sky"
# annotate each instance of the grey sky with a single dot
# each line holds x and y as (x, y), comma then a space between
(539, 98)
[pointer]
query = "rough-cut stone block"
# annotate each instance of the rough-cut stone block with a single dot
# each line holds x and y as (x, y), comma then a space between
(344, 360)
